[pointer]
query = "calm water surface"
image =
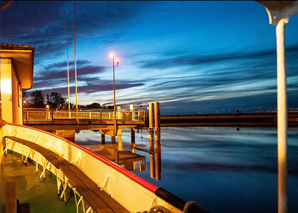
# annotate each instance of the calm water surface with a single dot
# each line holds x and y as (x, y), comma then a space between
(222, 169)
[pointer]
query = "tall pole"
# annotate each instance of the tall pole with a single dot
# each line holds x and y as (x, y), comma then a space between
(282, 115)
(279, 13)
(75, 59)
(115, 124)
(67, 67)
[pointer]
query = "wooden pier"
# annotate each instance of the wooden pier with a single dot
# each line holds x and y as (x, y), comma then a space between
(233, 120)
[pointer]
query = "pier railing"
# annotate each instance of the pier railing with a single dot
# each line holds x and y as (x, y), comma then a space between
(35, 114)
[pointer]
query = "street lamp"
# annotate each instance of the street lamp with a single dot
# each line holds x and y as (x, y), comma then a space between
(115, 63)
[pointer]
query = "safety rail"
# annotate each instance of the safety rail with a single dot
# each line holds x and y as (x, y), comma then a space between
(132, 192)
(32, 114)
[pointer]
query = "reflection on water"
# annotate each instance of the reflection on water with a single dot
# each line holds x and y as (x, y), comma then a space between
(222, 169)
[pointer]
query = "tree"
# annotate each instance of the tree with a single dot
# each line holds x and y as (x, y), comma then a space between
(93, 106)
(55, 100)
(37, 99)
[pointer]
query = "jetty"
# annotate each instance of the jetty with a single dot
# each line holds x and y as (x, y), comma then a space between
(268, 119)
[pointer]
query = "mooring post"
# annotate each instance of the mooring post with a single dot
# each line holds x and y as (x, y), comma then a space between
(120, 146)
(151, 141)
(133, 140)
(103, 138)
(157, 141)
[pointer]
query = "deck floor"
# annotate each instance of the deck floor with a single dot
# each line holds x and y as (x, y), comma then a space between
(40, 194)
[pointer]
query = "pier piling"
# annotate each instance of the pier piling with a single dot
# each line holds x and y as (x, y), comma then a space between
(157, 141)
(151, 141)
(103, 138)
(133, 140)
(120, 145)
(113, 140)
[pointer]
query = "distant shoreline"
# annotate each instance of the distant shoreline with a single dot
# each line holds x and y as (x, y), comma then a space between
(227, 120)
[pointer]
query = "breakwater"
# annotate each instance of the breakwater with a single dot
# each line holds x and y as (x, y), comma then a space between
(234, 119)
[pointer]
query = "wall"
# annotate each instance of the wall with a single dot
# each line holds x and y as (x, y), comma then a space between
(16, 99)
(11, 98)
(6, 90)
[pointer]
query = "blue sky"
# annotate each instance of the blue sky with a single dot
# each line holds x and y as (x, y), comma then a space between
(192, 57)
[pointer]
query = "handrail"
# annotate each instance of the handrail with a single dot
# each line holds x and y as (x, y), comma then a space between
(124, 186)
(125, 172)
(32, 114)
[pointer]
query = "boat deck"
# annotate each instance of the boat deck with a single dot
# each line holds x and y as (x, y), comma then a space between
(31, 190)
(81, 184)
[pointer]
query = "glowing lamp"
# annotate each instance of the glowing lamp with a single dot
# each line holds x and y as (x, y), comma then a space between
(112, 55)
(117, 61)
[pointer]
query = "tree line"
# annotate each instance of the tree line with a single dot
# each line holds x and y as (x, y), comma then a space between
(56, 101)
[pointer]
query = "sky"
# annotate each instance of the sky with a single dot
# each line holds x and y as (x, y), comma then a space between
(192, 57)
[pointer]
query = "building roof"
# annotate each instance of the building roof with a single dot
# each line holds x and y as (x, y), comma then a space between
(22, 57)
(15, 47)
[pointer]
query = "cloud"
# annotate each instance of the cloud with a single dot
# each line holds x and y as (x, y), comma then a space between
(63, 64)
(42, 24)
(88, 89)
(58, 74)
(190, 60)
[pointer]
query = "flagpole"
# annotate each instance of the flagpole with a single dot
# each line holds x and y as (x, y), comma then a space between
(75, 60)
(66, 25)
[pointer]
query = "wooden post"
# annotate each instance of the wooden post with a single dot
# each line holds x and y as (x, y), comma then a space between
(151, 141)
(116, 156)
(120, 145)
(133, 140)
(11, 197)
(113, 141)
(158, 161)
(151, 116)
(103, 138)
(157, 141)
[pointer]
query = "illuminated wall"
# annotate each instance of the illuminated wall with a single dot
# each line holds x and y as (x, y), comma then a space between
(16, 98)
(0, 101)
(11, 100)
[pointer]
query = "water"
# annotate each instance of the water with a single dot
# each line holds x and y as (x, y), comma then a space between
(222, 169)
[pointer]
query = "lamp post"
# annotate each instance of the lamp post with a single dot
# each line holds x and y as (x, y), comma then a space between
(117, 62)
(75, 60)
(68, 92)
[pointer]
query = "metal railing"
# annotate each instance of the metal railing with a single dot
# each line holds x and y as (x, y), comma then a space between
(35, 114)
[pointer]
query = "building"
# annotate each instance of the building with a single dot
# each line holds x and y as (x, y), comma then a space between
(16, 74)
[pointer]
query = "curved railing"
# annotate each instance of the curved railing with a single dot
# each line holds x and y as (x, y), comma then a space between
(131, 191)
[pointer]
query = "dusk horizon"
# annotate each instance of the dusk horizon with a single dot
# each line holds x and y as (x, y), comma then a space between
(192, 57)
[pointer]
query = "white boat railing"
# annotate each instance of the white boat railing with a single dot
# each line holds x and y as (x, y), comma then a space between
(131, 191)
